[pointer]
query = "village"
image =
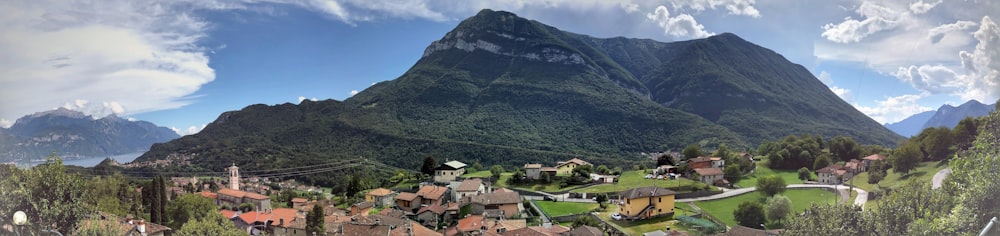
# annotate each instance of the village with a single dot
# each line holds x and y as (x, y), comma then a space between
(571, 197)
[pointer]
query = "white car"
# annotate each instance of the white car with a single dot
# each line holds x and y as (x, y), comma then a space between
(616, 216)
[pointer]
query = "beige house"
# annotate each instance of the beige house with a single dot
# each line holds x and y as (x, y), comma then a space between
(832, 174)
(646, 202)
(566, 167)
(533, 171)
(496, 204)
(381, 197)
(469, 187)
(709, 175)
(449, 171)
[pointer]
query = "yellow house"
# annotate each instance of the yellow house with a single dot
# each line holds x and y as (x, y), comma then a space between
(564, 168)
(646, 202)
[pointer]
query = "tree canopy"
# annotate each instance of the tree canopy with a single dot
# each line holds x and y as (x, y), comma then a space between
(770, 185)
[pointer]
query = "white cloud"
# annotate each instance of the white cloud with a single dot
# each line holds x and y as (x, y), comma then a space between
(937, 33)
(843, 93)
(935, 79)
(680, 26)
(825, 78)
(920, 7)
(735, 7)
(876, 18)
(354, 92)
(629, 7)
(894, 109)
(189, 131)
(301, 98)
(99, 57)
(5, 123)
(983, 64)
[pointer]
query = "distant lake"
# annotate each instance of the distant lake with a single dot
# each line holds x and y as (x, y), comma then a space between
(93, 161)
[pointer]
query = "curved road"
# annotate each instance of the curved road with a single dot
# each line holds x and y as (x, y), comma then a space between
(939, 177)
(859, 201)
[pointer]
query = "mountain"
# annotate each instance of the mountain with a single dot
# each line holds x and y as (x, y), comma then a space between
(945, 116)
(501, 89)
(73, 134)
(911, 125)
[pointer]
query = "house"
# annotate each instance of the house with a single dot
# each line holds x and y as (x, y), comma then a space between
(709, 175)
(233, 198)
(282, 222)
(432, 195)
(700, 162)
(832, 174)
(361, 208)
(254, 222)
(551, 171)
(469, 187)
(647, 202)
(298, 202)
(480, 225)
(665, 169)
(381, 197)
(745, 155)
(585, 230)
(566, 167)
(599, 178)
(853, 166)
(717, 162)
(868, 160)
(533, 171)
(448, 171)
(430, 215)
(408, 201)
(497, 204)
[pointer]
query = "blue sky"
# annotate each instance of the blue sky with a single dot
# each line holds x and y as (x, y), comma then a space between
(182, 63)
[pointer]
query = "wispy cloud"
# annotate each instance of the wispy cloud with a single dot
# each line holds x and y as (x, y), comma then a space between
(301, 98)
(893, 109)
(735, 7)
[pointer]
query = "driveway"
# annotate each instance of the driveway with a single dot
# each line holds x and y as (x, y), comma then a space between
(939, 177)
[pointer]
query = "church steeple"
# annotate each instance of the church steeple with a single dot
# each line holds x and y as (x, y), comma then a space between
(234, 177)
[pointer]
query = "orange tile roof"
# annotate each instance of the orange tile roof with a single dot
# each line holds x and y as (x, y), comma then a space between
(379, 192)
(288, 214)
(227, 213)
(503, 190)
(256, 196)
(210, 195)
(299, 200)
(406, 196)
(420, 230)
(876, 157)
(232, 192)
(469, 185)
(255, 216)
(709, 171)
(470, 223)
(432, 191)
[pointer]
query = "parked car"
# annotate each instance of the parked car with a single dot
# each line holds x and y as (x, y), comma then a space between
(616, 216)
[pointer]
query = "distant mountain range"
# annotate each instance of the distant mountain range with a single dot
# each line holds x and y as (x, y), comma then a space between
(946, 116)
(73, 134)
(501, 89)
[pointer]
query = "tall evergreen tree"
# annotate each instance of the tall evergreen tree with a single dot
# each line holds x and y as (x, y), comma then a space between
(314, 221)
(428, 167)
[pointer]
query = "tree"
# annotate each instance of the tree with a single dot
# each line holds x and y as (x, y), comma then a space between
(545, 177)
(905, 158)
(601, 199)
(664, 160)
(805, 174)
(496, 171)
(692, 151)
(724, 153)
(314, 221)
(844, 148)
(771, 185)
(113, 194)
(732, 172)
(876, 172)
(750, 214)
(821, 161)
(583, 171)
(56, 197)
(287, 195)
(211, 225)
(97, 227)
(778, 207)
(187, 208)
(428, 167)
(965, 132)
(936, 143)
(586, 220)
(603, 169)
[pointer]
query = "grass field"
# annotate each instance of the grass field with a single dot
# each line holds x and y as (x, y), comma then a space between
(633, 179)
(553, 209)
(722, 209)
(790, 176)
(642, 226)
(923, 173)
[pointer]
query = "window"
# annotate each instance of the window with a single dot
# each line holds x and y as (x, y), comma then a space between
(660, 199)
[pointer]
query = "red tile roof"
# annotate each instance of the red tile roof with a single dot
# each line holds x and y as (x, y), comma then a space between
(227, 213)
(470, 223)
(432, 191)
(210, 195)
(438, 209)
(709, 171)
(299, 200)
(469, 185)
(831, 169)
(288, 214)
(875, 157)
(255, 216)
(379, 192)
(406, 196)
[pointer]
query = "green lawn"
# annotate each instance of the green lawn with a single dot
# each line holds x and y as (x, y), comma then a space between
(479, 174)
(923, 173)
(642, 226)
(634, 179)
(722, 209)
(790, 176)
(501, 183)
(553, 209)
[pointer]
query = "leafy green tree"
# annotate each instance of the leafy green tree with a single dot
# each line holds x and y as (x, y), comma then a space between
(583, 171)
(601, 199)
(56, 196)
(936, 143)
(876, 172)
(965, 132)
(314, 221)
(189, 207)
(113, 194)
(496, 171)
(821, 161)
(778, 207)
(692, 151)
(545, 177)
(664, 160)
(732, 172)
(428, 167)
(771, 185)
(804, 173)
(586, 220)
(617, 170)
(844, 148)
(477, 166)
(603, 169)
(750, 214)
(211, 225)
(905, 158)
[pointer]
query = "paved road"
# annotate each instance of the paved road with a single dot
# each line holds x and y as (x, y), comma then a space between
(859, 201)
(939, 177)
